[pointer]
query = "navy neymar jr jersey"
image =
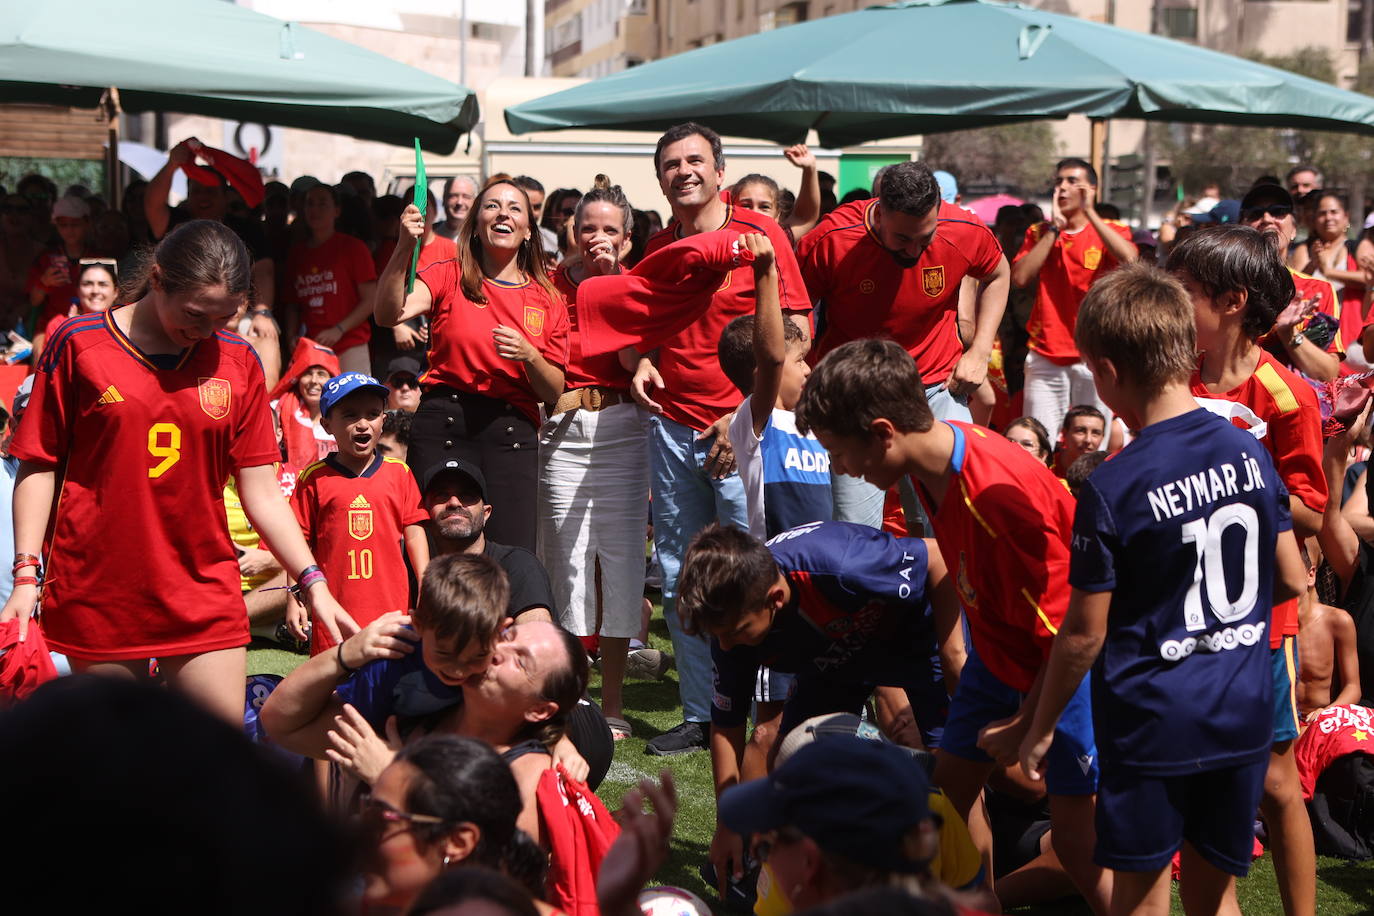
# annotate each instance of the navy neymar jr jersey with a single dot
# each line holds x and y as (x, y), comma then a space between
(858, 614)
(1181, 528)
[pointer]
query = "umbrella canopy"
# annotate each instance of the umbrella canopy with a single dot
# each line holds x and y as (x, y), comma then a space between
(213, 58)
(987, 207)
(926, 66)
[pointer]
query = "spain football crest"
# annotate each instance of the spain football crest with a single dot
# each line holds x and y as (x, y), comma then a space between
(1092, 257)
(866, 286)
(933, 280)
(215, 396)
(360, 519)
(534, 320)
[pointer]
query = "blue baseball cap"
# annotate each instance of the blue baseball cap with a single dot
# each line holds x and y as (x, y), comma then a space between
(341, 386)
(852, 796)
(949, 188)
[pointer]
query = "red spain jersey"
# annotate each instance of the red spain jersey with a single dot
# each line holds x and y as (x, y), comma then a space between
(1293, 436)
(462, 353)
(1075, 261)
(603, 369)
(324, 282)
(868, 294)
(1004, 528)
(696, 392)
(440, 249)
(355, 525)
(1320, 291)
(140, 562)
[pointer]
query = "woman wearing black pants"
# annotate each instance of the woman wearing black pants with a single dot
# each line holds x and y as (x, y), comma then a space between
(498, 341)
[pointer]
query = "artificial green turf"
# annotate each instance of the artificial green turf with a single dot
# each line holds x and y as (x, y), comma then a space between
(1343, 888)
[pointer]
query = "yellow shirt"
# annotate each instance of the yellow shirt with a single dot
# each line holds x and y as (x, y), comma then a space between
(957, 863)
(242, 534)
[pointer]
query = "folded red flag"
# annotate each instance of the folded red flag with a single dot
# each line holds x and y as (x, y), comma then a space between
(241, 174)
(659, 297)
(24, 666)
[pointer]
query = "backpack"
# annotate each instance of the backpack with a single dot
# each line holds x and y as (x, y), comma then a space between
(1342, 809)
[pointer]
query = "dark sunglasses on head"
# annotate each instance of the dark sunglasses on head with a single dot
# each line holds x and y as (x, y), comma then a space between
(1277, 211)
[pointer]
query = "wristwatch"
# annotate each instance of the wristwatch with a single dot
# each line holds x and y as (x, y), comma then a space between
(1296, 339)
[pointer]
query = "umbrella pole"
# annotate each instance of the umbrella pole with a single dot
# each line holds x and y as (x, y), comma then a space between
(113, 189)
(1098, 141)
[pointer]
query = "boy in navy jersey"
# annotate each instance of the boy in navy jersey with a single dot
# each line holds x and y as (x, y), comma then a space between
(844, 607)
(1181, 544)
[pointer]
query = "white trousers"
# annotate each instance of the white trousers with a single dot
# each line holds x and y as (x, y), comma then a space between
(593, 504)
(1051, 389)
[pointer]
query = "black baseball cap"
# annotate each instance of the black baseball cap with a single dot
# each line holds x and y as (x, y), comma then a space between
(455, 466)
(408, 365)
(852, 796)
(1265, 195)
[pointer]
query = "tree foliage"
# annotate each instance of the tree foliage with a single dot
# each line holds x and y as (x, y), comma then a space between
(1019, 156)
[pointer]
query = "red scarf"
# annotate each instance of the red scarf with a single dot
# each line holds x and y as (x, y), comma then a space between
(579, 830)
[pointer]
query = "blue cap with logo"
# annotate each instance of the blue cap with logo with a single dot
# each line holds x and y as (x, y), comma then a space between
(852, 796)
(341, 386)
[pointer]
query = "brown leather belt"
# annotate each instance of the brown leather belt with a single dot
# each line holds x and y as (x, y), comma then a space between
(590, 398)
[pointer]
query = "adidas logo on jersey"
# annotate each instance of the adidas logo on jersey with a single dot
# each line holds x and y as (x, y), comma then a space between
(110, 396)
(360, 502)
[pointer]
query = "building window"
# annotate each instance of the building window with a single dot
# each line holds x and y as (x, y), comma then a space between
(1178, 22)
(1354, 10)
(790, 14)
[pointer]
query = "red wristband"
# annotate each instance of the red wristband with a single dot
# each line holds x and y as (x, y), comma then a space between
(26, 580)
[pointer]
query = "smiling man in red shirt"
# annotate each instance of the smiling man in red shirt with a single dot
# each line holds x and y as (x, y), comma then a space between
(683, 386)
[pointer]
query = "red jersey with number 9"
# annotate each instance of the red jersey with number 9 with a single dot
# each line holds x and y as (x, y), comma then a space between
(140, 562)
(354, 524)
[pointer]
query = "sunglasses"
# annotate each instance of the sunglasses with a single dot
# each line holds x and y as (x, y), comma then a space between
(1277, 211)
(15, 208)
(378, 815)
(404, 381)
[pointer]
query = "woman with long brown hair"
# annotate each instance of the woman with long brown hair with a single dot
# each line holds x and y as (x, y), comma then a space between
(498, 342)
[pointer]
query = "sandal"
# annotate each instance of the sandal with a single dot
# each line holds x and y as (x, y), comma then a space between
(620, 729)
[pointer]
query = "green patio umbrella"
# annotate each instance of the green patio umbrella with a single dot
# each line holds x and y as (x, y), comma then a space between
(927, 66)
(209, 57)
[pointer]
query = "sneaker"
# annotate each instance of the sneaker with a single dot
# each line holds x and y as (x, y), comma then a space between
(683, 739)
(648, 664)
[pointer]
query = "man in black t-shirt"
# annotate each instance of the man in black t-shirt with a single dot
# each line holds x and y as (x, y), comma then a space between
(455, 497)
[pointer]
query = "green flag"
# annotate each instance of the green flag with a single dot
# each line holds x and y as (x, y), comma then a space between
(421, 201)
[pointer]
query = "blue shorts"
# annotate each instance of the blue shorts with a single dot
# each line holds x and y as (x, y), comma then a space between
(983, 698)
(1285, 663)
(1142, 820)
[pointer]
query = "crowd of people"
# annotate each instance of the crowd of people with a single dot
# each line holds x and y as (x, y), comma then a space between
(1002, 563)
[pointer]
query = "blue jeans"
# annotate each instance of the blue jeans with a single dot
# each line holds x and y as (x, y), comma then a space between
(686, 500)
(858, 501)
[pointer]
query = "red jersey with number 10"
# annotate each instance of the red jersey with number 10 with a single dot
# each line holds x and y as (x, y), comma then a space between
(1004, 528)
(868, 294)
(354, 524)
(140, 562)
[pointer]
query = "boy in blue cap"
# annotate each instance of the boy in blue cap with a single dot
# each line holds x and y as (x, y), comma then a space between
(357, 507)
